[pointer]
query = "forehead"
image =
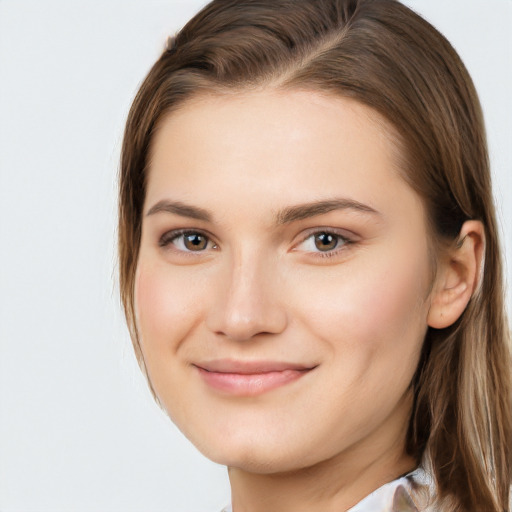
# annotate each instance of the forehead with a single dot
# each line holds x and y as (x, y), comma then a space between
(272, 116)
(275, 147)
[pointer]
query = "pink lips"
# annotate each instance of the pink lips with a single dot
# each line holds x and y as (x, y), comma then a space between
(249, 378)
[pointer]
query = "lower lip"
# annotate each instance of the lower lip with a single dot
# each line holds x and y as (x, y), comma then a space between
(241, 384)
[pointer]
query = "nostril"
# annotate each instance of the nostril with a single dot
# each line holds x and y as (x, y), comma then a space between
(243, 322)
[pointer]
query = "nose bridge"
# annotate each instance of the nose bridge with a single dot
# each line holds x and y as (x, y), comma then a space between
(249, 302)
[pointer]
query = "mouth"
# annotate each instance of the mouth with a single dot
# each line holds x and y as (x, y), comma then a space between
(249, 378)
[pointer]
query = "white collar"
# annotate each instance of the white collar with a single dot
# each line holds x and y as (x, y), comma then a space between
(394, 496)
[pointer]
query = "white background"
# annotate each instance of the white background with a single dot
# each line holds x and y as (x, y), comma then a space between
(78, 429)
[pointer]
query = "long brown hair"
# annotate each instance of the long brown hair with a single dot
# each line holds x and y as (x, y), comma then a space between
(385, 56)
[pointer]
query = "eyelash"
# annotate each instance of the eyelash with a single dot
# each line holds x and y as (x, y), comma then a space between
(342, 239)
(169, 237)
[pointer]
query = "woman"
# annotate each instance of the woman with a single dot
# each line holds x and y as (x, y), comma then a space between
(309, 258)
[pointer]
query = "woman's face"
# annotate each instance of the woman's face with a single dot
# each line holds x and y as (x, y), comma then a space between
(283, 279)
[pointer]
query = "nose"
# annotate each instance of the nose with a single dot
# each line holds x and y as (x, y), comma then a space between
(248, 302)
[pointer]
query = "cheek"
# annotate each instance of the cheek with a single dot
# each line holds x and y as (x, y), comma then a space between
(374, 308)
(165, 308)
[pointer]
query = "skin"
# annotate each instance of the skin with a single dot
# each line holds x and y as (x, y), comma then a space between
(257, 287)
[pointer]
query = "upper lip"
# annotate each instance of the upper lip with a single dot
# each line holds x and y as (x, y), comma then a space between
(250, 367)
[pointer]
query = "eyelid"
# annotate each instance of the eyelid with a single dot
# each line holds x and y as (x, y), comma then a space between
(166, 239)
(347, 238)
(342, 233)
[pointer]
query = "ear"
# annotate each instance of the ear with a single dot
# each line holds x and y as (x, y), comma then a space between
(459, 275)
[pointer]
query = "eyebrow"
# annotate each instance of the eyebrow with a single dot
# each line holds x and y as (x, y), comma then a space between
(285, 216)
(304, 211)
(182, 209)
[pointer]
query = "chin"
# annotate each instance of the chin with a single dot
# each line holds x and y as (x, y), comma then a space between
(255, 455)
(254, 461)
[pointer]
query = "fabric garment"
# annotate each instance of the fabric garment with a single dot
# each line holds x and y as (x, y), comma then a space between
(394, 496)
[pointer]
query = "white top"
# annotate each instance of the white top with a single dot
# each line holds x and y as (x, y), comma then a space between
(394, 496)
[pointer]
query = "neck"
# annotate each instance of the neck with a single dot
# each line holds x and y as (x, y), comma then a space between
(332, 485)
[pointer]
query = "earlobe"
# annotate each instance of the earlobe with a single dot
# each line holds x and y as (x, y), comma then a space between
(458, 276)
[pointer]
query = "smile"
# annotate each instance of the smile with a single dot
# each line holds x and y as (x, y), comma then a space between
(249, 378)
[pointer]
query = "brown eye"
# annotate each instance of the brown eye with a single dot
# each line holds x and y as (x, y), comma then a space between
(186, 241)
(326, 241)
(195, 241)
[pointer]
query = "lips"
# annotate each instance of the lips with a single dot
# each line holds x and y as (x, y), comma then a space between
(249, 378)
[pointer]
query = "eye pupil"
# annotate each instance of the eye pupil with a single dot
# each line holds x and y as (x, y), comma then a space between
(195, 242)
(325, 241)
